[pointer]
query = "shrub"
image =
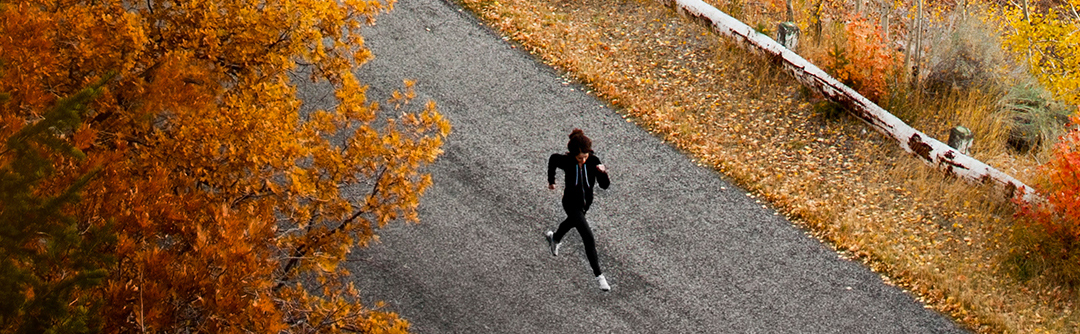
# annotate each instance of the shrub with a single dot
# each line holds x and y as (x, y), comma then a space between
(1051, 229)
(861, 59)
(965, 58)
(1035, 118)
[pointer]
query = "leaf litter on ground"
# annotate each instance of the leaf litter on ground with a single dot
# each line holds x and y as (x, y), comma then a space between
(943, 240)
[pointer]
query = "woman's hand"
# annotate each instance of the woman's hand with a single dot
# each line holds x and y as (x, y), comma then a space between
(601, 168)
(551, 186)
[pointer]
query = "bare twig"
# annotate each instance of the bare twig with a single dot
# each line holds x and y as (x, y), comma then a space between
(304, 248)
(142, 306)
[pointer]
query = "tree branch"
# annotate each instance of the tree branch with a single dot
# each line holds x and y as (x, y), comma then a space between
(302, 250)
(1073, 8)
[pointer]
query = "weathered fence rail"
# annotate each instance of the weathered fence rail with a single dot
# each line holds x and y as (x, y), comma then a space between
(930, 150)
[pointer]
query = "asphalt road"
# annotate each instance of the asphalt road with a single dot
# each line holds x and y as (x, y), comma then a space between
(684, 250)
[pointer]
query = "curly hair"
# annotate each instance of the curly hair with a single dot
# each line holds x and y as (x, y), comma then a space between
(579, 143)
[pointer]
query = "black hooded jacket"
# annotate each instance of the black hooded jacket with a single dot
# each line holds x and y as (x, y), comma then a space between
(577, 193)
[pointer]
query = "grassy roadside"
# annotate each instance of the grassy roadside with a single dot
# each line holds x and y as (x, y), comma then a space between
(941, 239)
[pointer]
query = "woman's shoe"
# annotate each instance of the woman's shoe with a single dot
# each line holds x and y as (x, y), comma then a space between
(551, 243)
(603, 283)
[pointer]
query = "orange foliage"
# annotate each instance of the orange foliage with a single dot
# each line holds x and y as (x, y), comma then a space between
(1059, 216)
(863, 60)
(227, 203)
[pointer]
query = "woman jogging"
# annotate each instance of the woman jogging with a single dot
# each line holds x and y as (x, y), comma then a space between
(583, 170)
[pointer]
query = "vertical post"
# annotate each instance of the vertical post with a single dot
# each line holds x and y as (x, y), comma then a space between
(788, 32)
(788, 35)
(961, 139)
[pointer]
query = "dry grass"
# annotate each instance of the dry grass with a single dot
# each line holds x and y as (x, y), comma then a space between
(946, 241)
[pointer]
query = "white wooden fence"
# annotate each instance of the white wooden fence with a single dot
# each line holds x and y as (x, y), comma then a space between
(930, 150)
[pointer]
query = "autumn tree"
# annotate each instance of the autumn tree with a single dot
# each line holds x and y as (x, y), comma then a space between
(230, 210)
(1044, 36)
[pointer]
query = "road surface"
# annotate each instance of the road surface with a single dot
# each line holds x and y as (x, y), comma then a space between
(684, 250)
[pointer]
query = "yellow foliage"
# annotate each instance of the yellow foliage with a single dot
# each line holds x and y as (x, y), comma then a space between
(1047, 39)
(221, 193)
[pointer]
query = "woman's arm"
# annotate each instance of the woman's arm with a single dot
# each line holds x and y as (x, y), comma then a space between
(553, 163)
(601, 177)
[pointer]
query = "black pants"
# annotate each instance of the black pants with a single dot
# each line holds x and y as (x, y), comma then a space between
(575, 218)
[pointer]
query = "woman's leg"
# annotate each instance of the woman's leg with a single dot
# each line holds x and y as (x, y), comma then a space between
(590, 245)
(573, 216)
(564, 227)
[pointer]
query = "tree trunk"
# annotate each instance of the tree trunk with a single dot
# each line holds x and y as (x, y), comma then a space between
(930, 150)
(886, 11)
(790, 11)
(1027, 17)
(916, 60)
(815, 25)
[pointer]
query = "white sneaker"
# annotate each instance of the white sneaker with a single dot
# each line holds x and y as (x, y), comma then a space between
(603, 283)
(551, 243)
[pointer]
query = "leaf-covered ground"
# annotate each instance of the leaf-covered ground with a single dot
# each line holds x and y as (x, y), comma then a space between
(943, 240)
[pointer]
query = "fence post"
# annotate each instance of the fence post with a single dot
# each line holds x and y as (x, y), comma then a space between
(928, 149)
(788, 35)
(961, 138)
